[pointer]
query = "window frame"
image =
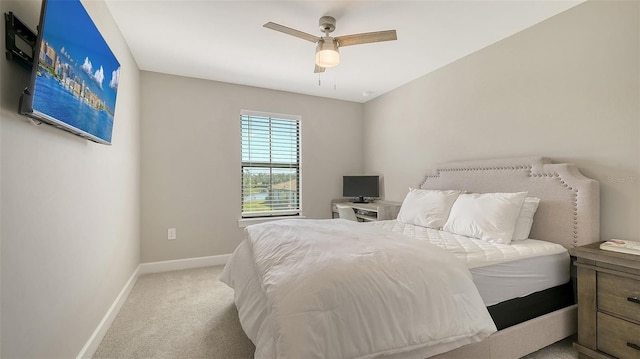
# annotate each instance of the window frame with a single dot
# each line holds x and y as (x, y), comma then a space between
(247, 218)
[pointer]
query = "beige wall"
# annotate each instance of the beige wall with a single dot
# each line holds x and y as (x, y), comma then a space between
(191, 159)
(70, 212)
(567, 88)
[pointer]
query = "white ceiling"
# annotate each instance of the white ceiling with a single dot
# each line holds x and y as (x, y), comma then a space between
(225, 40)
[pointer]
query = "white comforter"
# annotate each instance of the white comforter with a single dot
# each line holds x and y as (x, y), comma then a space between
(337, 289)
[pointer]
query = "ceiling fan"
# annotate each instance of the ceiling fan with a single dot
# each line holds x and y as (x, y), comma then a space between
(327, 54)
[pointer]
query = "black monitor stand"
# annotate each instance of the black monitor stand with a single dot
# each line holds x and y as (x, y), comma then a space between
(360, 200)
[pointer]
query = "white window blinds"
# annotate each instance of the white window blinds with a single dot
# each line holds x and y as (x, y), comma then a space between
(270, 165)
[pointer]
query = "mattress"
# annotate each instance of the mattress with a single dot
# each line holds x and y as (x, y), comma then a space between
(500, 271)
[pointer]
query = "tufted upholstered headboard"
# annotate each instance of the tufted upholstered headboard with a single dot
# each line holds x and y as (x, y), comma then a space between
(569, 211)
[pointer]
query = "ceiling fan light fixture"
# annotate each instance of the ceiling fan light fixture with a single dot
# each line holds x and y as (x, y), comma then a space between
(327, 54)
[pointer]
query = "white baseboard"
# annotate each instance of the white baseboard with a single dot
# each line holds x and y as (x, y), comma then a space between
(187, 263)
(92, 344)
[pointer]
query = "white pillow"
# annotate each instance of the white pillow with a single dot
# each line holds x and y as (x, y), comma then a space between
(525, 219)
(487, 216)
(427, 208)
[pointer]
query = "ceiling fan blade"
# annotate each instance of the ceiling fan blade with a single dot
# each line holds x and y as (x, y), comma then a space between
(367, 37)
(292, 32)
(318, 69)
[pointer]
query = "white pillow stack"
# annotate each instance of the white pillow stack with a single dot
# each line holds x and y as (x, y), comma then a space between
(492, 217)
(427, 208)
(487, 216)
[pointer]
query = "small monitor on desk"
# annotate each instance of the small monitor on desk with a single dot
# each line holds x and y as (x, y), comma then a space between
(360, 187)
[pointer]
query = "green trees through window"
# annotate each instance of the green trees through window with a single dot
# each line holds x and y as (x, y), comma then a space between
(270, 165)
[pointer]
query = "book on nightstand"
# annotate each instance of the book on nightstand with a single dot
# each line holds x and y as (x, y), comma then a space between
(622, 246)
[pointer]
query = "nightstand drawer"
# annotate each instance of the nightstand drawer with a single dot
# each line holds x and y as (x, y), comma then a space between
(619, 295)
(618, 337)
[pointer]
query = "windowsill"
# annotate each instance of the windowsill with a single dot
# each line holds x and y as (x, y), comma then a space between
(243, 222)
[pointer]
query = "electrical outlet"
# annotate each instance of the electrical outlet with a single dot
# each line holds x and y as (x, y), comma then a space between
(171, 233)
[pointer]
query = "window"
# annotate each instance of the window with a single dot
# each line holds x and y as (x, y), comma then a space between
(270, 165)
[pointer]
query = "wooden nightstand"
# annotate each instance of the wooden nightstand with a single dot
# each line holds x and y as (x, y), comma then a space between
(608, 303)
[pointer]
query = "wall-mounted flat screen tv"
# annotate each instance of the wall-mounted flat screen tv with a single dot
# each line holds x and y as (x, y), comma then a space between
(75, 76)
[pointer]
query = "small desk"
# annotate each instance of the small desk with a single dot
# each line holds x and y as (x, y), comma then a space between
(373, 211)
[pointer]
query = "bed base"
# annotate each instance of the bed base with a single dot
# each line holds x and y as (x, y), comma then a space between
(521, 339)
(519, 310)
(516, 341)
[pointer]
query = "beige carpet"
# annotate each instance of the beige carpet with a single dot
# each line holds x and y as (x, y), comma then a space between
(180, 314)
(190, 314)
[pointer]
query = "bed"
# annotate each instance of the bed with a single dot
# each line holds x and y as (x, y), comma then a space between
(567, 216)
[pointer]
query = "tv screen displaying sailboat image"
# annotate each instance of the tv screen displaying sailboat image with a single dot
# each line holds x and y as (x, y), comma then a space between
(76, 76)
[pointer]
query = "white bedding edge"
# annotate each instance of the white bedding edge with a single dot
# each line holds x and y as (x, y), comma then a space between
(472, 251)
